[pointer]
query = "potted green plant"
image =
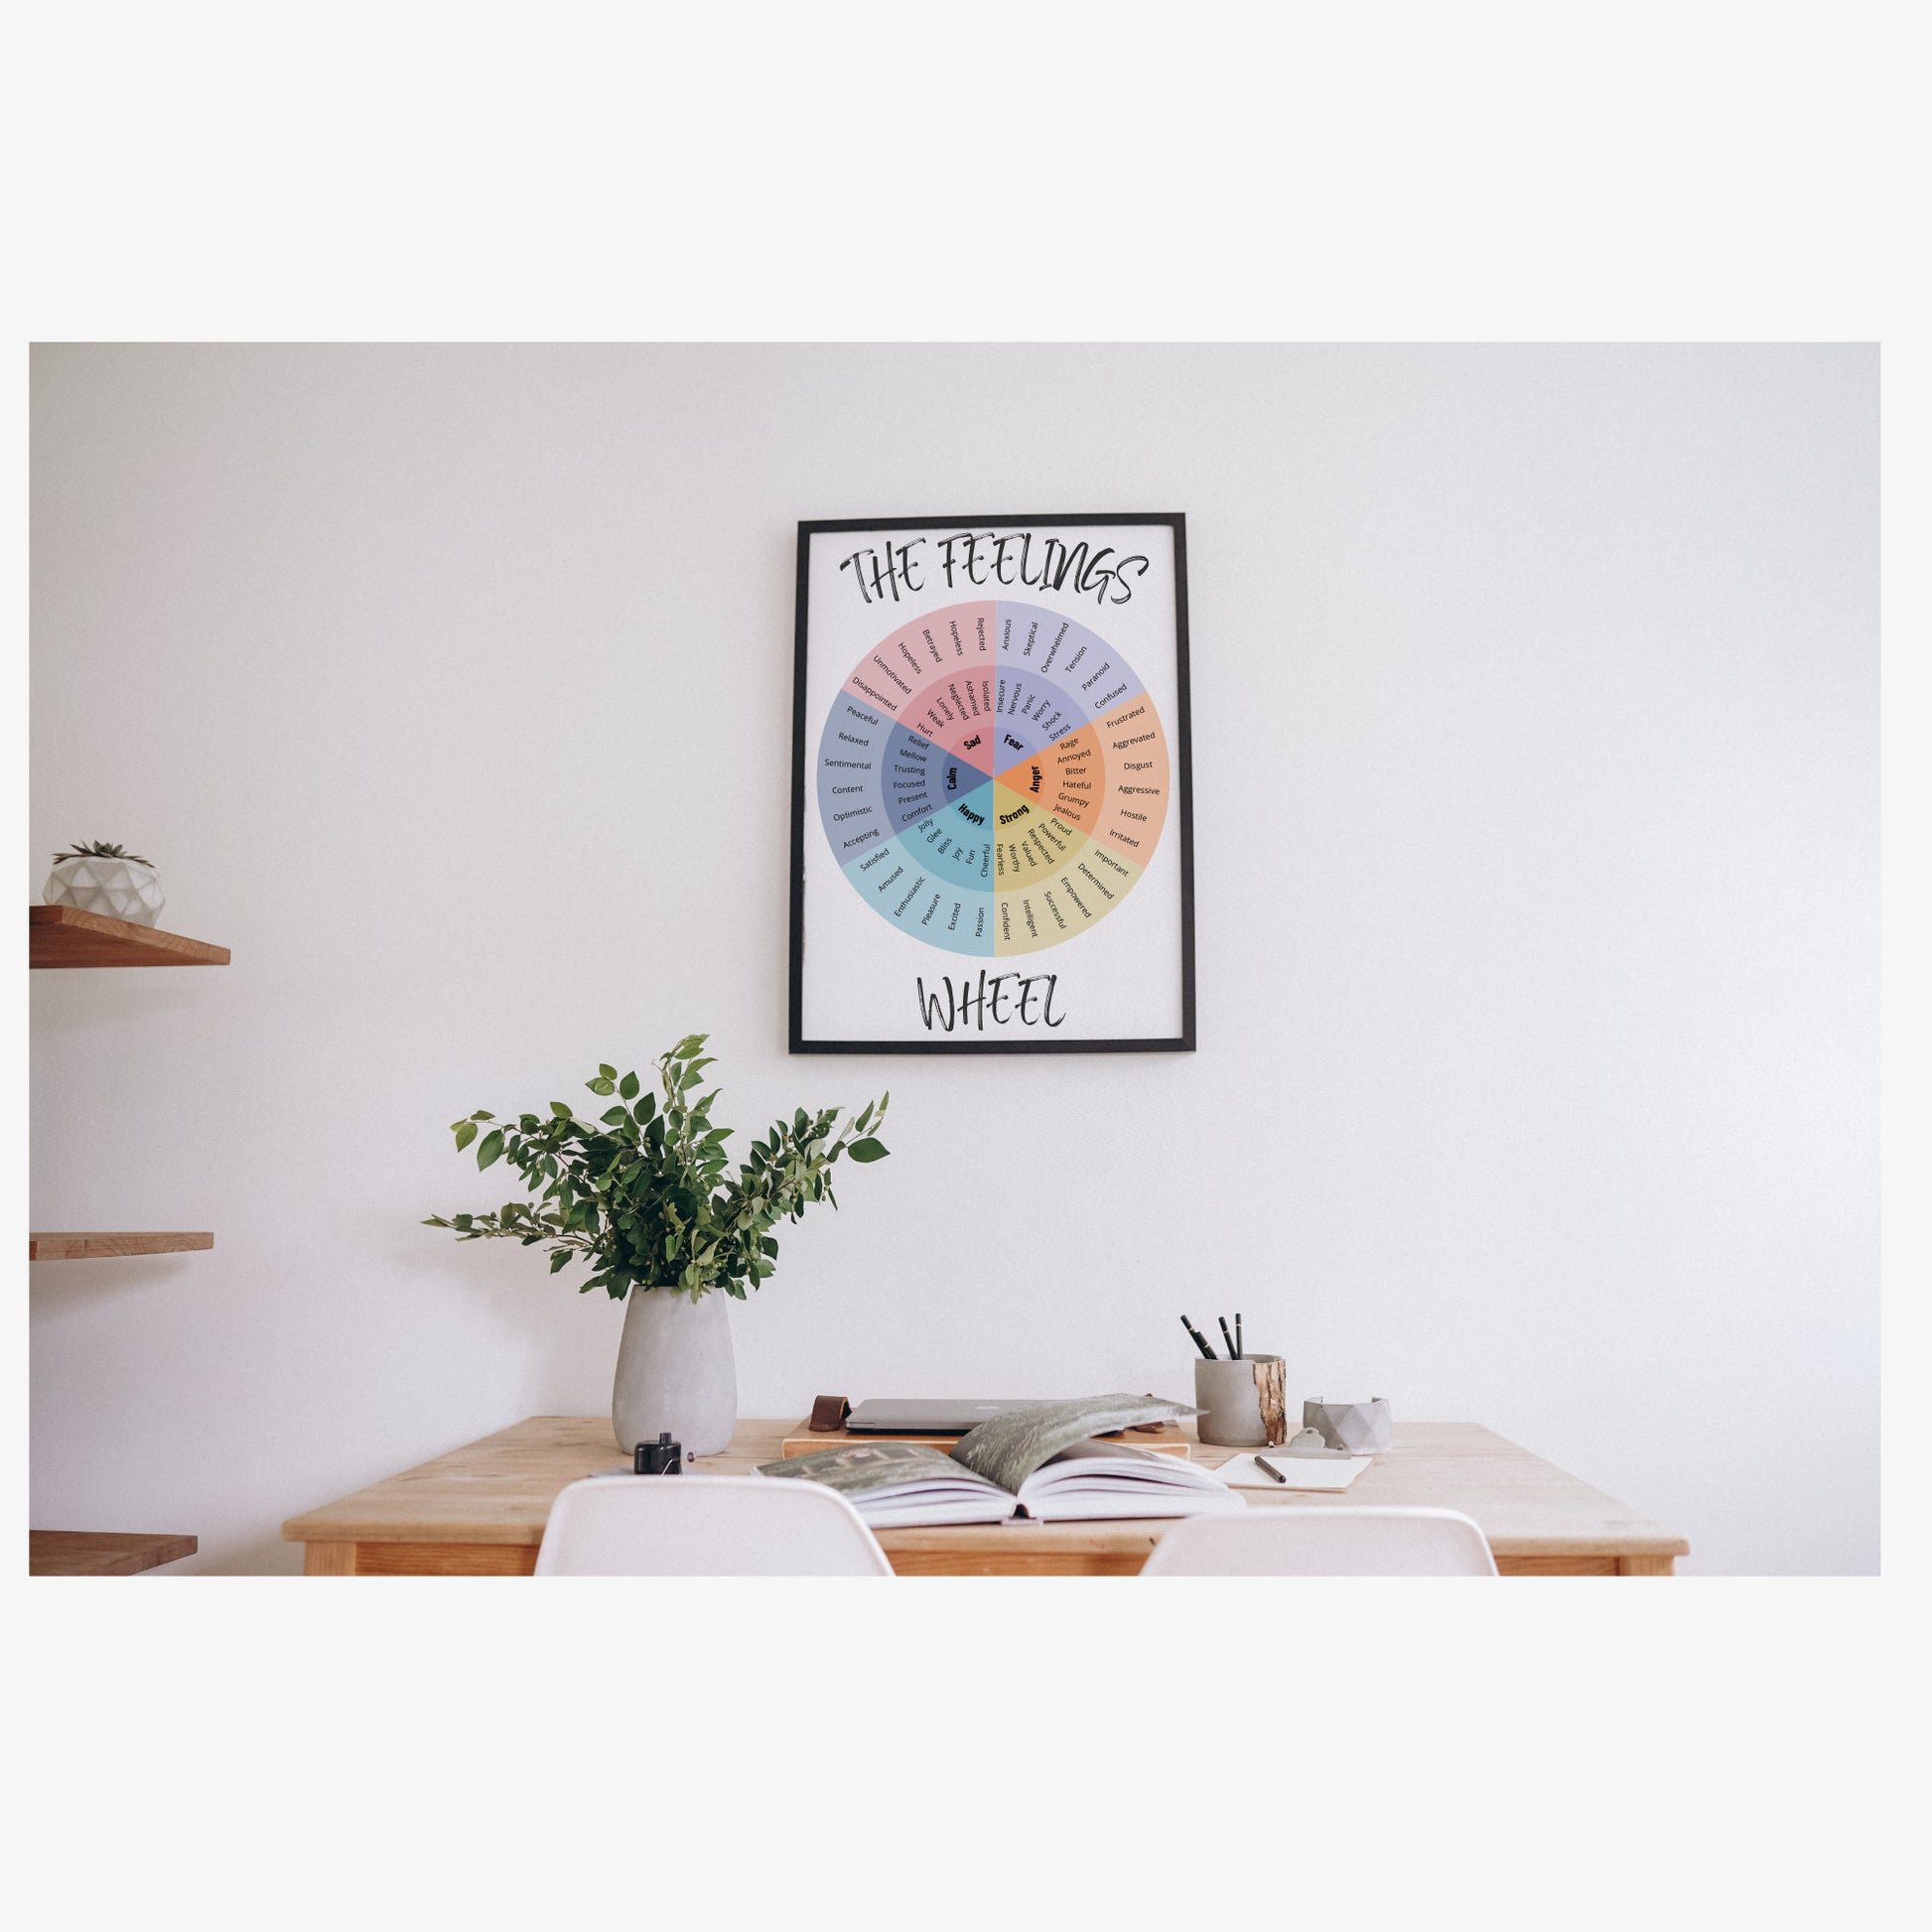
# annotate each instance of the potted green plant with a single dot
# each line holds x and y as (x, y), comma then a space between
(95, 877)
(644, 1200)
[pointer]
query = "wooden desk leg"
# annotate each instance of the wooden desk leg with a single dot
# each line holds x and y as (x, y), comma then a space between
(1646, 1566)
(328, 1558)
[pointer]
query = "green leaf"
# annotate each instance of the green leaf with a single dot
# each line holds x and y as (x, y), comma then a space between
(650, 1195)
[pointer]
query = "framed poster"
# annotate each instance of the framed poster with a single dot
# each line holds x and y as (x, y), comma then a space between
(992, 846)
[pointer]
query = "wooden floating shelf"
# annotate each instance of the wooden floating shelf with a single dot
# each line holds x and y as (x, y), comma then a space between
(64, 935)
(101, 1552)
(100, 1247)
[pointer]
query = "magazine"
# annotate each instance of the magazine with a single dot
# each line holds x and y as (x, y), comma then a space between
(1039, 1462)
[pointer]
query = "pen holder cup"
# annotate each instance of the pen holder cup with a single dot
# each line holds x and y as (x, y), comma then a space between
(1242, 1403)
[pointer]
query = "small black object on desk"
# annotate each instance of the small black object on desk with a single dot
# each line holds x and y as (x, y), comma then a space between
(662, 1457)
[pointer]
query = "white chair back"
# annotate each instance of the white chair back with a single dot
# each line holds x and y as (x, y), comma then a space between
(1281, 1540)
(706, 1526)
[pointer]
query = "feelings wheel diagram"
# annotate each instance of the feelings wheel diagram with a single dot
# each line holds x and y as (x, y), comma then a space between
(993, 778)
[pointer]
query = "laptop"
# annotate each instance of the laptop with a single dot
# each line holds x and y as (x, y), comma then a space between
(888, 1418)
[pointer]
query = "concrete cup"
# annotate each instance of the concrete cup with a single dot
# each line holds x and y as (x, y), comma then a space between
(1240, 1402)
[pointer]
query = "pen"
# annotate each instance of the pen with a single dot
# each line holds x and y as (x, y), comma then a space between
(1234, 1354)
(1263, 1463)
(1200, 1340)
(1237, 1331)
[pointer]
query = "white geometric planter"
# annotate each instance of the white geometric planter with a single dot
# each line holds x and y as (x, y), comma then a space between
(1360, 1428)
(120, 889)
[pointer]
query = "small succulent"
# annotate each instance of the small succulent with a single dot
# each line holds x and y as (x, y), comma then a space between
(98, 849)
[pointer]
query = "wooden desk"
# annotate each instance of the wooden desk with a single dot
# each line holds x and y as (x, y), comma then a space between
(479, 1511)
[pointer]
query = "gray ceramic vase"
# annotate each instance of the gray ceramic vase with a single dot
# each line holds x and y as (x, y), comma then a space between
(675, 1371)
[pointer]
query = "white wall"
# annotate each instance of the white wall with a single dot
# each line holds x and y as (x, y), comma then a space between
(1535, 813)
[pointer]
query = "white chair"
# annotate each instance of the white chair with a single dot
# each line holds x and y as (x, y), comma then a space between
(1283, 1541)
(706, 1526)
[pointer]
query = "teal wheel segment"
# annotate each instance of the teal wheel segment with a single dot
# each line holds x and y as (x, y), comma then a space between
(907, 890)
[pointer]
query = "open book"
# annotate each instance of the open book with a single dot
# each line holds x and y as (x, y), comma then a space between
(1039, 1461)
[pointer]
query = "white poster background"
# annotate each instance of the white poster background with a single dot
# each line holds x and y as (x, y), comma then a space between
(1120, 980)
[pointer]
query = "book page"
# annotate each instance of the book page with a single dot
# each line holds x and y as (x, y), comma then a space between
(1118, 1466)
(859, 1470)
(1008, 1448)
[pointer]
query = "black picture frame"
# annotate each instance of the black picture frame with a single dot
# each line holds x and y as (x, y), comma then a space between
(1183, 827)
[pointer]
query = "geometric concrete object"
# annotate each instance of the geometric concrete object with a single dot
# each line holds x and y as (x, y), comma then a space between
(118, 888)
(1360, 1428)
